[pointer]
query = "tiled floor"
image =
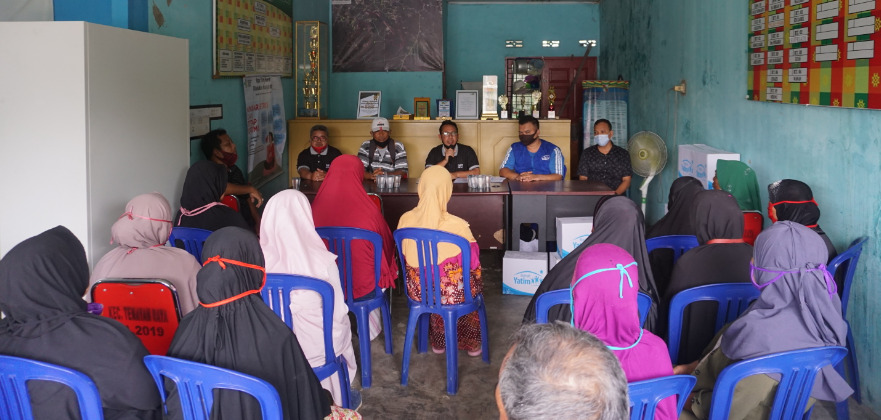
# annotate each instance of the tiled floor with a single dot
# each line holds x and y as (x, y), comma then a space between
(425, 396)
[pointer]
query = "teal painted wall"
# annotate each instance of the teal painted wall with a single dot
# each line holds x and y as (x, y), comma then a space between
(655, 44)
(192, 20)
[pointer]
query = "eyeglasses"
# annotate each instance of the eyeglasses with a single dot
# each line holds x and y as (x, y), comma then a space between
(451, 134)
(316, 138)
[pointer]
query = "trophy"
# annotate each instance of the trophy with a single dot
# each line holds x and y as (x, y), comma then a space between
(503, 105)
(311, 88)
(552, 114)
(536, 97)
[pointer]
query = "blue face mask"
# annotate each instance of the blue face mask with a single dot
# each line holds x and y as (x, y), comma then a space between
(831, 287)
(622, 269)
(601, 139)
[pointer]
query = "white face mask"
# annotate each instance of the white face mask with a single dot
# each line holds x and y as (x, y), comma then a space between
(601, 139)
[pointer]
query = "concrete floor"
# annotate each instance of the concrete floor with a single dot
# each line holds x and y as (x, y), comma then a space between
(425, 396)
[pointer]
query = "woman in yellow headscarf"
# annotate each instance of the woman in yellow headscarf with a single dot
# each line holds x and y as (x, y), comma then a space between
(435, 190)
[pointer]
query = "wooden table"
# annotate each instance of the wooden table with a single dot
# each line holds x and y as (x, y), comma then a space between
(486, 211)
(541, 202)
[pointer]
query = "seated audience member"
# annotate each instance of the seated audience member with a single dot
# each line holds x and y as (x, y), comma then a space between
(234, 329)
(42, 281)
(291, 246)
(798, 309)
(722, 257)
(617, 221)
(554, 371)
(382, 154)
(533, 158)
(200, 205)
(677, 221)
(604, 161)
(740, 180)
(219, 148)
(604, 290)
(343, 185)
(313, 162)
(435, 190)
(459, 159)
(141, 233)
(793, 200)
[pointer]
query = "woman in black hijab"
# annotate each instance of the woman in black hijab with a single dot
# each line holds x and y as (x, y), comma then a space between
(722, 257)
(42, 281)
(617, 221)
(793, 200)
(234, 329)
(200, 199)
(677, 221)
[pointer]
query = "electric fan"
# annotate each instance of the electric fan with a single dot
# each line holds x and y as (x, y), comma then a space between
(648, 155)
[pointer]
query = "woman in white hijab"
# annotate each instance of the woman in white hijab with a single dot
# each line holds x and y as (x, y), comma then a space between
(291, 246)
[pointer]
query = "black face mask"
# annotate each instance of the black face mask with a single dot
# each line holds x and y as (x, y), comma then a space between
(527, 139)
(382, 144)
(450, 147)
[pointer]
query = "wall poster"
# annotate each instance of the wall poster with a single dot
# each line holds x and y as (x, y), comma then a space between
(816, 52)
(253, 37)
(267, 130)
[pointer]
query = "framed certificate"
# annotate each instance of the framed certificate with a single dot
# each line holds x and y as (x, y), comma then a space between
(466, 105)
(421, 108)
(369, 102)
(443, 109)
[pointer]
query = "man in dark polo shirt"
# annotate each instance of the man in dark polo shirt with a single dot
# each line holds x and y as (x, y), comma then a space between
(218, 147)
(604, 161)
(459, 159)
(313, 162)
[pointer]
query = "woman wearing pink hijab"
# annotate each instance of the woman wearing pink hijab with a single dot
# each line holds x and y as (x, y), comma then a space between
(141, 233)
(604, 303)
(291, 246)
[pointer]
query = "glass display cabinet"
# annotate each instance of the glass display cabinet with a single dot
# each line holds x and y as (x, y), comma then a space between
(311, 57)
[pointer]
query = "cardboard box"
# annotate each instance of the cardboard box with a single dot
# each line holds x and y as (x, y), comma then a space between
(553, 259)
(571, 232)
(699, 161)
(522, 272)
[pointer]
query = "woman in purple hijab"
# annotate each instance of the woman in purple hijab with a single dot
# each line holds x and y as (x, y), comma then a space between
(798, 309)
(604, 292)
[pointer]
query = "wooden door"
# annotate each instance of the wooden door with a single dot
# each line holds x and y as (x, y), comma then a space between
(559, 73)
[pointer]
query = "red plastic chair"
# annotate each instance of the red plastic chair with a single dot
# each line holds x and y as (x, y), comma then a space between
(148, 307)
(230, 201)
(376, 200)
(752, 226)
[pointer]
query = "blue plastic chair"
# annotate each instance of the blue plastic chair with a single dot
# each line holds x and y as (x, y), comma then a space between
(192, 240)
(15, 372)
(195, 383)
(849, 259)
(427, 241)
(733, 299)
(561, 297)
(645, 395)
(797, 370)
(277, 295)
(678, 243)
(339, 241)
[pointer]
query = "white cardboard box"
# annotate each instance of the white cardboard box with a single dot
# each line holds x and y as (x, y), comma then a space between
(571, 232)
(699, 161)
(553, 259)
(522, 272)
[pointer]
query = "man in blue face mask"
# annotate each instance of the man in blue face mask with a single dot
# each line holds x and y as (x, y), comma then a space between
(532, 159)
(604, 161)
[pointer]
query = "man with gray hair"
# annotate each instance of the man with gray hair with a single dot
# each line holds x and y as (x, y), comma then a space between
(556, 371)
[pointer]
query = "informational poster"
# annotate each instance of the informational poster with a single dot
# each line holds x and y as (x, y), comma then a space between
(606, 99)
(264, 107)
(253, 37)
(816, 52)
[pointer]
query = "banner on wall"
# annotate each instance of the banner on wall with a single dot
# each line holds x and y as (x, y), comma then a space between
(264, 111)
(606, 99)
(253, 37)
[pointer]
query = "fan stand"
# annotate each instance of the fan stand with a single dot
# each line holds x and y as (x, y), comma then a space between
(644, 190)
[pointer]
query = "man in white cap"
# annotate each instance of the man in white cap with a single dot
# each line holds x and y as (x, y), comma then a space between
(382, 155)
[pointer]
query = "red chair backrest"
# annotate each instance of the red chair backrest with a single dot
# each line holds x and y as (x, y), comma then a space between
(149, 308)
(752, 226)
(230, 201)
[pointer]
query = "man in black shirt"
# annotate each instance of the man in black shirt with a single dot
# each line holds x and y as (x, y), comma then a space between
(604, 161)
(459, 159)
(313, 162)
(218, 147)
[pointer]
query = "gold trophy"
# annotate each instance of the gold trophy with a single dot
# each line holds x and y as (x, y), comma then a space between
(503, 105)
(310, 80)
(536, 98)
(552, 114)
